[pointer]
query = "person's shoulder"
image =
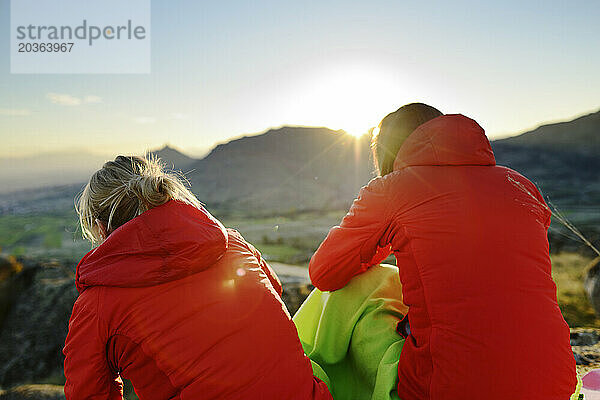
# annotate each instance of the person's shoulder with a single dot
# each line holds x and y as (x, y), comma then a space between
(89, 295)
(235, 238)
(391, 181)
(88, 301)
(234, 234)
(237, 243)
(501, 169)
(515, 177)
(381, 183)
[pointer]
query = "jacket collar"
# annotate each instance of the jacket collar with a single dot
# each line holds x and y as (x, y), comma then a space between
(165, 243)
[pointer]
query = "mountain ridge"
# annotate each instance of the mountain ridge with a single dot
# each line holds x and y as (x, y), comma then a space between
(561, 164)
(283, 169)
(581, 133)
(550, 135)
(297, 168)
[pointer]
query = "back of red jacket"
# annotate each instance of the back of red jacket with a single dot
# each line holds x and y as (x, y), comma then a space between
(186, 310)
(470, 239)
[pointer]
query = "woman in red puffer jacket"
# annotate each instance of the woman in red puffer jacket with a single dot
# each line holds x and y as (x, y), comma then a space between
(173, 301)
(470, 240)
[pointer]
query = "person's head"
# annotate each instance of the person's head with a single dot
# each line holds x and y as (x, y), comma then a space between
(393, 131)
(123, 189)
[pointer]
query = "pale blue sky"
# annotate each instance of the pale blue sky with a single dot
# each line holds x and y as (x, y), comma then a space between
(227, 68)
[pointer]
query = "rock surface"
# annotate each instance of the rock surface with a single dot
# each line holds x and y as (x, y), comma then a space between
(586, 349)
(37, 313)
(35, 327)
(33, 392)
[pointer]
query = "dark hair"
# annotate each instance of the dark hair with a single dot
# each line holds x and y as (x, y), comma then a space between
(393, 131)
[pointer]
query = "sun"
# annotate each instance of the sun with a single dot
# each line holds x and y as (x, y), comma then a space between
(357, 133)
(353, 98)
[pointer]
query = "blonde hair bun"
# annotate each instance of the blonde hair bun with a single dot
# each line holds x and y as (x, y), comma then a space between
(123, 189)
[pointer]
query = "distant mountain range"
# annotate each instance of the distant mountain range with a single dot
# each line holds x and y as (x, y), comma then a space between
(47, 170)
(316, 168)
(563, 159)
(173, 158)
(304, 168)
(285, 169)
(581, 134)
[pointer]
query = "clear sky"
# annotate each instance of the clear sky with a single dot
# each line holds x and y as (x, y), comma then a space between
(222, 69)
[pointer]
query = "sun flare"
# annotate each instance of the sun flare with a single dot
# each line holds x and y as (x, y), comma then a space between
(351, 98)
(356, 133)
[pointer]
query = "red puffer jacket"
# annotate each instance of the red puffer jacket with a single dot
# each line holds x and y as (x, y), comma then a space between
(470, 240)
(186, 310)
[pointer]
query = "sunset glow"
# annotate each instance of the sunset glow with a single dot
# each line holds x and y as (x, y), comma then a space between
(352, 97)
(327, 64)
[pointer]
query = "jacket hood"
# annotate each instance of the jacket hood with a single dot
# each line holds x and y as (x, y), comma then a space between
(165, 243)
(451, 139)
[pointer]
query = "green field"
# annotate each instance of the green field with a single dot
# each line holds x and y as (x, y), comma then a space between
(53, 234)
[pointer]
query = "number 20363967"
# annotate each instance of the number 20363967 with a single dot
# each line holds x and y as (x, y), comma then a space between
(44, 47)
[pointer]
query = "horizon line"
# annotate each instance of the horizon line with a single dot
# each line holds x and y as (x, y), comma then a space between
(72, 150)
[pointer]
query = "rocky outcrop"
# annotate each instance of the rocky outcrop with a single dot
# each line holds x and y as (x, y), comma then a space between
(13, 279)
(33, 392)
(37, 305)
(586, 349)
(35, 327)
(592, 284)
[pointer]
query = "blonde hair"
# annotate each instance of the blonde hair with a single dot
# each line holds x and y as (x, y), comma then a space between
(125, 188)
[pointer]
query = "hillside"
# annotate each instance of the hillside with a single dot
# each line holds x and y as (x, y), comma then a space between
(303, 168)
(562, 158)
(173, 158)
(563, 161)
(286, 187)
(300, 168)
(296, 168)
(285, 169)
(581, 134)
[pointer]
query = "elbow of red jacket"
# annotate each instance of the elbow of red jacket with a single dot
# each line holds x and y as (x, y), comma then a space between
(319, 278)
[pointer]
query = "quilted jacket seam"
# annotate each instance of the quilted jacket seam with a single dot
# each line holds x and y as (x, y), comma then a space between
(412, 254)
(140, 347)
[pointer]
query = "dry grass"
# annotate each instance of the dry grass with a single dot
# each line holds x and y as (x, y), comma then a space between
(568, 271)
